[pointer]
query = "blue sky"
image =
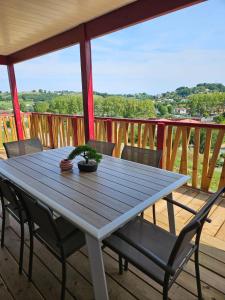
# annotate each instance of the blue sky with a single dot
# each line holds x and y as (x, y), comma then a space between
(182, 48)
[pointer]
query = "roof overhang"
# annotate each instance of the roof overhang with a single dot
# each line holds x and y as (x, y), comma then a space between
(58, 24)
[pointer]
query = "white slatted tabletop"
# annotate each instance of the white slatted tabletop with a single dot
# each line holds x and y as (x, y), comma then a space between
(98, 203)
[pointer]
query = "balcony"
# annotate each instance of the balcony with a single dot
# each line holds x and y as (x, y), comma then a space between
(183, 152)
(188, 148)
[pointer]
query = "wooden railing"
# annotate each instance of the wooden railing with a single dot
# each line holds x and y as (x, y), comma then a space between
(186, 146)
(8, 128)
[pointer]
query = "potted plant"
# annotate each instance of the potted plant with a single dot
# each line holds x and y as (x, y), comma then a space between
(90, 155)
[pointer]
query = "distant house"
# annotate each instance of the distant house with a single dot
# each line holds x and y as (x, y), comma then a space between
(180, 110)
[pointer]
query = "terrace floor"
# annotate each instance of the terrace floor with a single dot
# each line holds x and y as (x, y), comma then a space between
(132, 284)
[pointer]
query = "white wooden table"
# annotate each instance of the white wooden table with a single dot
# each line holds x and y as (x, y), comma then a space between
(98, 203)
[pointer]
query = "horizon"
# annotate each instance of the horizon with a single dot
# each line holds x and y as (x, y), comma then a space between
(94, 91)
(183, 48)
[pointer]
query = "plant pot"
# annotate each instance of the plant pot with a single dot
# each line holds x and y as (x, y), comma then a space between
(91, 166)
(66, 165)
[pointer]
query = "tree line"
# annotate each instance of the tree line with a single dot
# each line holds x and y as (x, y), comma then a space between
(111, 106)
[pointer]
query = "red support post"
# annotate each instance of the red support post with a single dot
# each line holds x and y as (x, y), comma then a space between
(109, 130)
(87, 87)
(15, 101)
(160, 137)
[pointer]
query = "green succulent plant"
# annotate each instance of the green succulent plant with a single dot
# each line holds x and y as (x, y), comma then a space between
(87, 152)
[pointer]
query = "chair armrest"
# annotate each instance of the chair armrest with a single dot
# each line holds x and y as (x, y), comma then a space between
(149, 254)
(190, 210)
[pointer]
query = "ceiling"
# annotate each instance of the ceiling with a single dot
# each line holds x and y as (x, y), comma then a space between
(24, 23)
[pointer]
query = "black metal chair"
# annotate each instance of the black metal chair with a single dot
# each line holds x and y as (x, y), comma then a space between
(146, 157)
(23, 147)
(58, 235)
(158, 253)
(102, 147)
(142, 156)
(11, 204)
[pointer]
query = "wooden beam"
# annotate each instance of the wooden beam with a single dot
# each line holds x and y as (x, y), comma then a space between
(87, 86)
(125, 16)
(60, 41)
(15, 100)
(3, 60)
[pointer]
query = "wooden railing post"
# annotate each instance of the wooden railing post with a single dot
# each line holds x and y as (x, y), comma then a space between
(75, 133)
(109, 130)
(161, 140)
(50, 130)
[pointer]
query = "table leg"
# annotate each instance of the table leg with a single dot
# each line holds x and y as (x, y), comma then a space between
(170, 210)
(97, 268)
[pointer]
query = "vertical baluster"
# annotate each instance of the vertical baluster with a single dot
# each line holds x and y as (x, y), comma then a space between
(206, 158)
(139, 135)
(175, 148)
(183, 161)
(132, 141)
(212, 162)
(145, 136)
(195, 157)
(151, 136)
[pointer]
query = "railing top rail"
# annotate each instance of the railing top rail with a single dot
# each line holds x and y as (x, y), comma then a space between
(150, 121)
(139, 121)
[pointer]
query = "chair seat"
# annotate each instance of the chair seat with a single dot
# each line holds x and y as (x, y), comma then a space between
(151, 237)
(72, 238)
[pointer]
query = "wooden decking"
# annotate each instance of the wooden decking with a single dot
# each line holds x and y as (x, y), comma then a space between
(132, 284)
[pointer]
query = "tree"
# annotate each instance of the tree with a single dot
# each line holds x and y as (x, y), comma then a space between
(23, 106)
(41, 107)
(183, 91)
(162, 109)
(170, 109)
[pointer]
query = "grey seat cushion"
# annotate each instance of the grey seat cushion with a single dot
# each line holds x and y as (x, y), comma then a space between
(151, 237)
(72, 238)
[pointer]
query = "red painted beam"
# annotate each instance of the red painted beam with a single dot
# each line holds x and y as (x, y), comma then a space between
(87, 86)
(131, 14)
(125, 16)
(3, 60)
(15, 100)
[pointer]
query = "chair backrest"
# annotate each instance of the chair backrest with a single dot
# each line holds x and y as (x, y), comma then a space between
(192, 229)
(142, 156)
(102, 147)
(8, 193)
(39, 214)
(18, 148)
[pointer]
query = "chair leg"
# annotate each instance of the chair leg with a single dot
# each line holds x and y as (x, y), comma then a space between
(3, 227)
(197, 271)
(165, 292)
(126, 265)
(154, 214)
(120, 265)
(31, 253)
(21, 247)
(63, 280)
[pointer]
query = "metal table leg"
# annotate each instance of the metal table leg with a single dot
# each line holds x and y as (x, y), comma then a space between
(170, 210)
(97, 268)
